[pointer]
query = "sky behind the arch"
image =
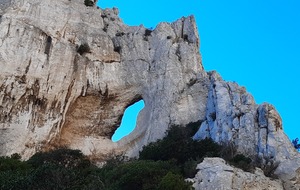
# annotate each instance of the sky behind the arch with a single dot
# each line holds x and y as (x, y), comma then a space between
(253, 42)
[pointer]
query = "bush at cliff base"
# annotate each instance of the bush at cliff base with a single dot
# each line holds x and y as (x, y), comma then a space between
(162, 165)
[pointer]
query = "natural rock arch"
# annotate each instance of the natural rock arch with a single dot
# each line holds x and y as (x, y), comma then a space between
(95, 117)
(128, 122)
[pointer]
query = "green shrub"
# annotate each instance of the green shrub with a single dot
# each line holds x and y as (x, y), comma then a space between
(162, 165)
(242, 162)
(228, 151)
(179, 145)
(190, 168)
(268, 166)
(241, 158)
(173, 181)
(59, 169)
(69, 169)
(148, 32)
(12, 163)
(62, 157)
(138, 174)
(13, 172)
(84, 48)
(296, 144)
(269, 169)
(52, 176)
(15, 156)
(14, 179)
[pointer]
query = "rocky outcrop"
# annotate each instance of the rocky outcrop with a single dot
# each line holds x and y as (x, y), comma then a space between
(215, 174)
(234, 118)
(68, 72)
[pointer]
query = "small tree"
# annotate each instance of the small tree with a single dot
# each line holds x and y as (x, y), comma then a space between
(296, 144)
(173, 181)
(84, 48)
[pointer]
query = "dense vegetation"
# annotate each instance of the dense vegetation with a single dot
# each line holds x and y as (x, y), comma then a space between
(162, 165)
(70, 169)
(182, 149)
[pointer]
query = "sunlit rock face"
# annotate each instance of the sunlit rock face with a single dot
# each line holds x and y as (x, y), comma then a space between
(68, 71)
(56, 93)
(214, 173)
(233, 118)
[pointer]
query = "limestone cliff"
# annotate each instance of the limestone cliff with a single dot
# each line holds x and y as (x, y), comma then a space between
(54, 94)
(232, 117)
(68, 72)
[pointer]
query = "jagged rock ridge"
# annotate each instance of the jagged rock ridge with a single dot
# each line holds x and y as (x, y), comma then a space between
(52, 94)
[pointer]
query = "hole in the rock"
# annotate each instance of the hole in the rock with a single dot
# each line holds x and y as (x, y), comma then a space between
(128, 122)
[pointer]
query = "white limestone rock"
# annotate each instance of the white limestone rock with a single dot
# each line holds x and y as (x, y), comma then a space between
(215, 173)
(52, 96)
(255, 130)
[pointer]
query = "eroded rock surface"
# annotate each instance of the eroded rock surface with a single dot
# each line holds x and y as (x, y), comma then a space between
(51, 95)
(234, 118)
(215, 174)
(56, 91)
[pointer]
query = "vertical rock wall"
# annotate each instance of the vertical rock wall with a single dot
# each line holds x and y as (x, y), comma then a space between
(234, 119)
(53, 94)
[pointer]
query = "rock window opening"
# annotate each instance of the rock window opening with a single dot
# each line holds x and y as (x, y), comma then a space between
(128, 122)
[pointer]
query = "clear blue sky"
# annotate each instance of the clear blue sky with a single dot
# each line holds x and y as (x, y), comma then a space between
(128, 120)
(253, 42)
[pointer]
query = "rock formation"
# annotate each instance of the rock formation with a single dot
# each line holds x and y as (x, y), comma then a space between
(55, 92)
(68, 72)
(233, 118)
(214, 173)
